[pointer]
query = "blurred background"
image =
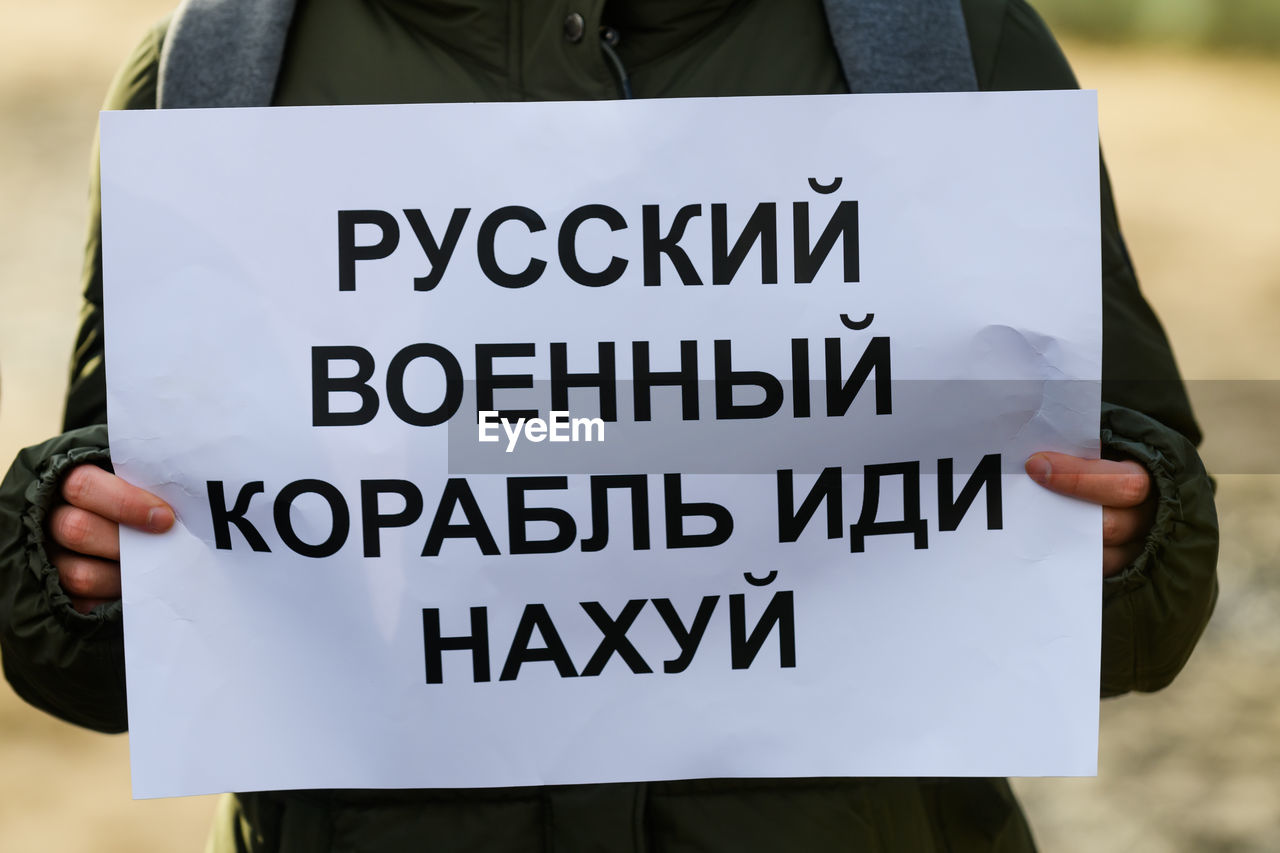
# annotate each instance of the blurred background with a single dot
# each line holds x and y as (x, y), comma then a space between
(1189, 96)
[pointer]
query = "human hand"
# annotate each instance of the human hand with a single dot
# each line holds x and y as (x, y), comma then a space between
(1121, 488)
(84, 527)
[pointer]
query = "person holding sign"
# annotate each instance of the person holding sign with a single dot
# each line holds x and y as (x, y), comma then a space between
(61, 508)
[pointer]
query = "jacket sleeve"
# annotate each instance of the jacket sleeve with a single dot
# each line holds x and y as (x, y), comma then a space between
(59, 660)
(134, 88)
(1155, 610)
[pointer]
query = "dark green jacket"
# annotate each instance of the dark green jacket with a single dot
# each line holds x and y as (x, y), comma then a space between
(72, 665)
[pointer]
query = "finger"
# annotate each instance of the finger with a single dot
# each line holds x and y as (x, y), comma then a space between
(103, 493)
(1116, 557)
(84, 533)
(84, 605)
(86, 577)
(1099, 481)
(1130, 524)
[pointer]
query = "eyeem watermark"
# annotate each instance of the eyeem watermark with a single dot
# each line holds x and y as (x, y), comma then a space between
(561, 427)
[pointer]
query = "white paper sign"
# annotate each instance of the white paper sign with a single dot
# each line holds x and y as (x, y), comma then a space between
(812, 319)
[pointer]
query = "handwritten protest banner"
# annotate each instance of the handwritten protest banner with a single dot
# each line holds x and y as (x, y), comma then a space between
(556, 443)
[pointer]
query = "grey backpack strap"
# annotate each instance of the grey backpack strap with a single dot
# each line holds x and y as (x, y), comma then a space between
(902, 45)
(223, 53)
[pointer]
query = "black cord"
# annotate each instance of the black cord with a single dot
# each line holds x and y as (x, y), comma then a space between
(609, 39)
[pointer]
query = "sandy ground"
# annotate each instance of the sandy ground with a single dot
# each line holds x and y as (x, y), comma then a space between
(1192, 143)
